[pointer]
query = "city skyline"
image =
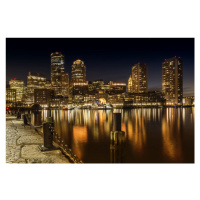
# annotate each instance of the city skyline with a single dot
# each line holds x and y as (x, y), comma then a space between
(105, 54)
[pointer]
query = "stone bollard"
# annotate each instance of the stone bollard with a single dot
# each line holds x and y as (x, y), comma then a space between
(117, 140)
(36, 118)
(25, 119)
(18, 115)
(48, 137)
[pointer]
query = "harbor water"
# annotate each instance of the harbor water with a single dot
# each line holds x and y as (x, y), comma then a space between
(152, 135)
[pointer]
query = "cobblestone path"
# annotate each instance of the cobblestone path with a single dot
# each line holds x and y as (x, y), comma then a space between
(22, 145)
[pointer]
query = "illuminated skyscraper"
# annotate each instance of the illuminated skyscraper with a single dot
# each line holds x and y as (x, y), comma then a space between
(57, 68)
(78, 74)
(130, 85)
(172, 80)
(18, 85)
(34, 81)
(78, 71)
(140, 78)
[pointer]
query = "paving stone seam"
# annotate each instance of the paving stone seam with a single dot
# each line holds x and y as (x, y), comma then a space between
(14, 149)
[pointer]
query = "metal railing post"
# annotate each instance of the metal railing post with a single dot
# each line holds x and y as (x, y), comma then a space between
(48, 137)
(25, 119)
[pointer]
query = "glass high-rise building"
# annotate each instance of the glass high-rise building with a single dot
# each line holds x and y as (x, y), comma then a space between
(57, 68)
(172, 80)
(78, 71)
(140, 78)
(78, 74)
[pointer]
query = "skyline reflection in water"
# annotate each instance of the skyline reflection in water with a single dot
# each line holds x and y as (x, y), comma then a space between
(152, 135)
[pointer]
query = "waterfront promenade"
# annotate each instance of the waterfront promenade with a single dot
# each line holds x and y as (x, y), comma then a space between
(22, 145)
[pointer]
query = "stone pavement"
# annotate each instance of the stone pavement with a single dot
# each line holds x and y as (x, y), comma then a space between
(22, 145)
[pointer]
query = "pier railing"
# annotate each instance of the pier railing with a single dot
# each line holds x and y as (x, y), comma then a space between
(27, 122)
(50, 136)
(65, 149)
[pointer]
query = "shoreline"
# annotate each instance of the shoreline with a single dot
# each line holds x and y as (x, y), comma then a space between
(124, 107)
(22, 145)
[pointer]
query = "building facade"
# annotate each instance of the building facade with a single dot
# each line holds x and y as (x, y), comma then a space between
(188, 101)
(10, 97)
(47, 85)
(78, 72)
(57, 68)
(130, 85)
(78, 76)
(117, 87)
(43, 97)
(34, 81)
(18, 85)
(80, 88)
(65, 84)
(172, 81)
(140, 78)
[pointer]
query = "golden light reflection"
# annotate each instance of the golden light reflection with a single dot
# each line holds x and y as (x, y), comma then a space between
(123, 127)
(80, 134)
(183, 115)
(171, 134)
(78, 128)
(137, 131)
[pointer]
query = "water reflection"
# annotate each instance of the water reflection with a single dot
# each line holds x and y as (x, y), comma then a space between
(79, 134)
(171, 133)
(117, 147)
(152, 135)
(137, 129)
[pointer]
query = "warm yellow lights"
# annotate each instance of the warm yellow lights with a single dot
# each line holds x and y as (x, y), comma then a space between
(102, 101)
(119, 84)
(81, 84)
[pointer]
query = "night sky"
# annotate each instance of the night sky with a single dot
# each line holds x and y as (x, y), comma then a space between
(105, 58)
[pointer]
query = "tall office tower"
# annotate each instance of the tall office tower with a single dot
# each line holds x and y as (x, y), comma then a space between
(65, 84)
(57, 68)
(34, 81)
(130, 85)
(78, 71)
(78, 74)
(172, 80)
(140, 78)
(18, 85)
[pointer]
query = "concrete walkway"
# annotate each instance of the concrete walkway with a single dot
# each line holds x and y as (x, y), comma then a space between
(22, 145)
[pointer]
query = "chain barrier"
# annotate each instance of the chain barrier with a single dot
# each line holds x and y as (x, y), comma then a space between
(35, 127)
(67, 151)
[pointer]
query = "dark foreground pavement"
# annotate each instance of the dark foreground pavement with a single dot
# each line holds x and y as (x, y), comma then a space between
(22, 145)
